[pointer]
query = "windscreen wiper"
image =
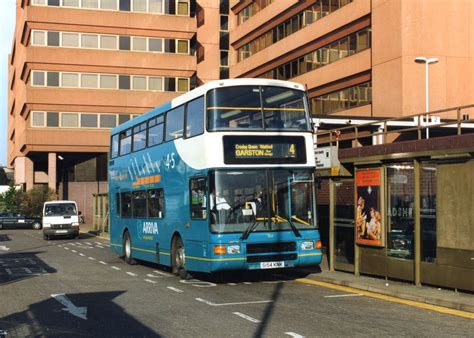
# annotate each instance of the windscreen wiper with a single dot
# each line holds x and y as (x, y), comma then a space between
(250, 228)
(293, 227)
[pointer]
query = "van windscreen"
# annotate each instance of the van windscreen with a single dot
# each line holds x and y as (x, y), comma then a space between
(60, 209)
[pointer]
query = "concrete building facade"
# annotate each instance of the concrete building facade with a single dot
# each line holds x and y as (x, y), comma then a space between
(80, 67)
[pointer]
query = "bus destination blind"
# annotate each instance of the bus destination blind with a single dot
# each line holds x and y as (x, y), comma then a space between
(264, 150)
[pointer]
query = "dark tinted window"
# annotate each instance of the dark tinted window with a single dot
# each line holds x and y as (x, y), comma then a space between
(174, 123)
(125, 5)
(52, 119)
(53, 38)
(195, 117)
(224, 40)
(155, 45)
(124, 42)
(124, 81)
(126, 204)
(123, 118)
(170, 6)
(170, 45)
(139, 204)
(52, 79)
(156, 203)
(170, 84)
(53, 2)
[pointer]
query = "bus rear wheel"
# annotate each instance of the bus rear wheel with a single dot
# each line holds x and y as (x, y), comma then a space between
(127, 249)
(179, 259)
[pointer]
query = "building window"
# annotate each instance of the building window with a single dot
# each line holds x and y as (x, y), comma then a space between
(224, 22)
(139, 83)
(170, 84)
(90, 4)
(53, 39)
(139, 6)
(124, 43)
(170, 45)
(70, 40)
(252, 9)
(89, 41)
(123, 118)
(108, 5)
(108, 81)
(39, 38)
(52, 79)
(89, 81)
(183, 85)
(108, 120)
(108, 42)
(155, 83)
(38, 78)
(183, 46)
(52, 119)
(155, 45)
(37, 119)
(343, 99)
(70, 80)
(125, 5)
(155, 6)
(183, 7)
(139, 44)
(124, 82)
(71, 3)
(317, 11)
(89, 120)
(53, 2)
(69, 120)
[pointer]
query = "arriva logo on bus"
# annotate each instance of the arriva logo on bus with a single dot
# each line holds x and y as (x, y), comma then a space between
(150, 228)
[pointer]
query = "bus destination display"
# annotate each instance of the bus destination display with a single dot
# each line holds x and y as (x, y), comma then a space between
(264, 150)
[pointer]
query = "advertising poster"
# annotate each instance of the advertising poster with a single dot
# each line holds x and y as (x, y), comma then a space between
(369, 224)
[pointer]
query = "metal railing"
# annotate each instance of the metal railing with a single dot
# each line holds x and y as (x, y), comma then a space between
(445, 122)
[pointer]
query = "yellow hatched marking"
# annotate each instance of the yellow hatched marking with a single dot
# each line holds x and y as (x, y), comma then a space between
(413, 303)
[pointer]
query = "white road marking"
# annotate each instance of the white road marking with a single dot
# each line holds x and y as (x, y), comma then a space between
(92, 259)
(175, 289)
(4, 248)
(66, 248)
(163, 273)
(345, 295)
(98, 246)
(73, 251)
(232, 284)
(295, 335)
(88, 243)
(150, 281)
(81, 254)
(102, 262)
(132, 274)
(115, 268)
(248, 283)
(237, 303)
(250, 319)
(80, 312)
(73, 244)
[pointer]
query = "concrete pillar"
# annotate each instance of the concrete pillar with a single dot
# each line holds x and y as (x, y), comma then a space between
(29, 174)
(52, 171)
(332, 207)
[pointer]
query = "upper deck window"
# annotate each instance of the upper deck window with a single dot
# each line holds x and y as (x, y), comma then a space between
(174, 123)
(256, 108)
(125, 142)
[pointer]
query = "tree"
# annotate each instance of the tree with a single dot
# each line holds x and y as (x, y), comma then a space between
(33, 200)
(11, 199)
(3, 177)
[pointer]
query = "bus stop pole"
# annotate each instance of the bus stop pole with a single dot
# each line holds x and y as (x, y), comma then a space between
(332, 207)
(417, 230)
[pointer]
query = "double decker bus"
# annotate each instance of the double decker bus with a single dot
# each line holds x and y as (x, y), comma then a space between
(220, 178)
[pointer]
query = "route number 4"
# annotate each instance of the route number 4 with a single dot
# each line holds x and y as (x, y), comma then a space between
(169, 161)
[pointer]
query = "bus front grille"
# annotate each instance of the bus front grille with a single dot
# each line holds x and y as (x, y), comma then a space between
(256, 248)
(271, 258)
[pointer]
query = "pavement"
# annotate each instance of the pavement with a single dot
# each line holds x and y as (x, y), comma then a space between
(435, 296)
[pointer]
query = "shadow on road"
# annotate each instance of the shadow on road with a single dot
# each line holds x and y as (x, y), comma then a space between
(48, 318)
(22, 265)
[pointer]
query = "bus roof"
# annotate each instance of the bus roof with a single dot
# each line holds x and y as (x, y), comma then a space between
(201, 90)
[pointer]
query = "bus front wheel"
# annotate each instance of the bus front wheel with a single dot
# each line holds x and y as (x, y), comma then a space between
(127, 248)
(179, 258)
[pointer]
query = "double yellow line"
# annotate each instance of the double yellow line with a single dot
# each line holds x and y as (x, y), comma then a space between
(420, 305)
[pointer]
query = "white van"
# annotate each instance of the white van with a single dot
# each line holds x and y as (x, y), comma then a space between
(60, 218)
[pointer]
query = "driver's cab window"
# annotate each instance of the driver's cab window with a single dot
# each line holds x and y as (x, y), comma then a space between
(198, 192)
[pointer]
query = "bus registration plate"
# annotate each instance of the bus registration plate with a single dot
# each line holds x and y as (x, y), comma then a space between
(61, 231)
(272, 265)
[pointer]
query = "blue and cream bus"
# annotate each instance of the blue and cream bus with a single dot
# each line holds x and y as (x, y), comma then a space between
(220, 178)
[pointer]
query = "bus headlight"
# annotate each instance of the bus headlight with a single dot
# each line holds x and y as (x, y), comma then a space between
(233, 249)
(307, 245)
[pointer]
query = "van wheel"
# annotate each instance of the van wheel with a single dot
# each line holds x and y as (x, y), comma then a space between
(178, 256)
(127, 249)
(36, 225)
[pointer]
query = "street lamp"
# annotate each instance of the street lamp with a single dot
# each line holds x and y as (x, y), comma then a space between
(427, 62)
